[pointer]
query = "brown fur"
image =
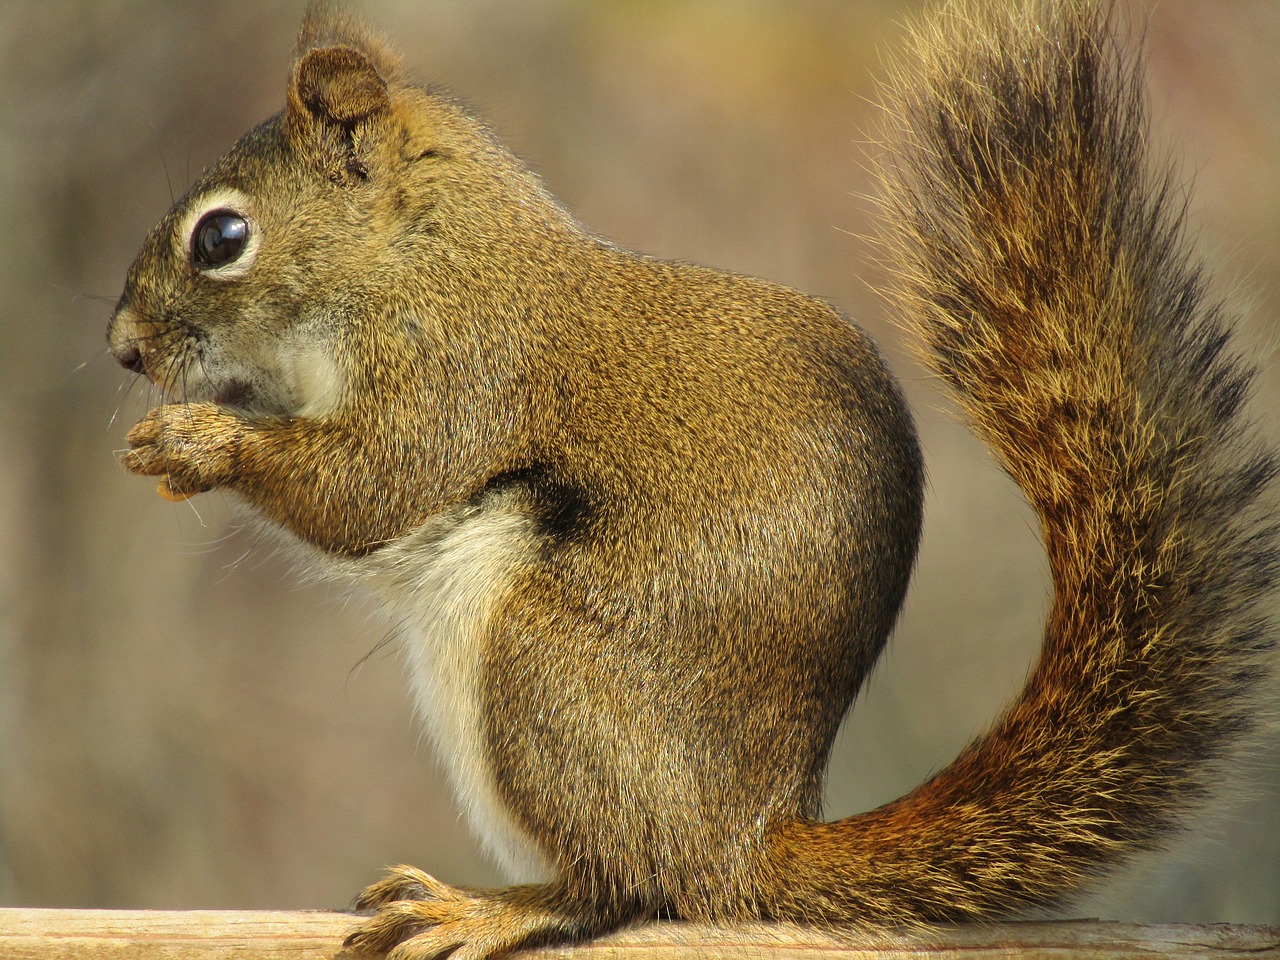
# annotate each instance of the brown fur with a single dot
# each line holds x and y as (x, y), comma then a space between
(725, 485)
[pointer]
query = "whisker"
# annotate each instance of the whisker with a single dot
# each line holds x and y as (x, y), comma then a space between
(78, 295)
(186, 369)
(124, 392)
(167, 179)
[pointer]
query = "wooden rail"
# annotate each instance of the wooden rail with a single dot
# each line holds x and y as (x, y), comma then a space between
(27, 934)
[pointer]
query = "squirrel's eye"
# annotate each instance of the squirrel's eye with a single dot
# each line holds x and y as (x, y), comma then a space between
(218, 239)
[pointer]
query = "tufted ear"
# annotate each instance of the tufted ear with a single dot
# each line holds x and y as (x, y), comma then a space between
(341, 73)
(323, 25)
(337, 86)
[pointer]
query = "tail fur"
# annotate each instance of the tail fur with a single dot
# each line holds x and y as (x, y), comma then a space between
(1044, 264)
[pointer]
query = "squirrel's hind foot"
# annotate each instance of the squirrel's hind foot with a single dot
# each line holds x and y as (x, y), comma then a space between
(420, 918)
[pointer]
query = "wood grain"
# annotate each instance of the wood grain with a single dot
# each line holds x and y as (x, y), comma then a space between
(27, 934)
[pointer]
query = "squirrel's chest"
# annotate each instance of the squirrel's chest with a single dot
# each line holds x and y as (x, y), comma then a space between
(440, 587)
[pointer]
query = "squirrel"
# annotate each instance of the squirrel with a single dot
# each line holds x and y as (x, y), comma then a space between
(645, 526)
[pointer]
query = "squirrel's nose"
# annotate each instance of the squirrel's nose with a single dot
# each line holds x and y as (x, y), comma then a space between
(130, 358)
(122, 338)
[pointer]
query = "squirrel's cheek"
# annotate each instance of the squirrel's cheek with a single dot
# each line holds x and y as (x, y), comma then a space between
(317, 383)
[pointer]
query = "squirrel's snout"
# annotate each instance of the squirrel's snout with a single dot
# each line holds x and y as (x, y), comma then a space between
(130, 358)
(122, 339)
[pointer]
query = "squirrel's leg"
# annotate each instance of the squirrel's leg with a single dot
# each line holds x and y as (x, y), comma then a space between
(419, 918)
(311, 476)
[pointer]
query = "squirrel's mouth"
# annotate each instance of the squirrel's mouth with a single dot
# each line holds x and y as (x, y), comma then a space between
(230, 393)
(173, 358)
(181, 382)
(185, 379)
(184, 384)
(182, 368)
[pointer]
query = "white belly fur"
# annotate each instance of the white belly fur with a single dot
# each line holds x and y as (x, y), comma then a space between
(440, 585)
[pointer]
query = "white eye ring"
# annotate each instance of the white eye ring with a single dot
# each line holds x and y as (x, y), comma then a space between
(228, 252)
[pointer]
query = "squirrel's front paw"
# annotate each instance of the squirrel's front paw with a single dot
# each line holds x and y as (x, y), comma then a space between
(194, 446)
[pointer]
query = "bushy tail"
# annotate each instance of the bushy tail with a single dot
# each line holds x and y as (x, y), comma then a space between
(1045, 267)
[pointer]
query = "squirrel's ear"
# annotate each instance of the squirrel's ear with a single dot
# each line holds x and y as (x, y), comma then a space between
(336, 85)
(341, 72)
(325, 26)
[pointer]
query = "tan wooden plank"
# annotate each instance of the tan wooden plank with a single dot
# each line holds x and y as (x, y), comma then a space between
(26, 934)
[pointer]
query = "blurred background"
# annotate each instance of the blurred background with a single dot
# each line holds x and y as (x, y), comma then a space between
(183, 725)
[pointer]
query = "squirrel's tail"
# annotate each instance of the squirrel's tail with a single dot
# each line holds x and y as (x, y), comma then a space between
(1045, 267)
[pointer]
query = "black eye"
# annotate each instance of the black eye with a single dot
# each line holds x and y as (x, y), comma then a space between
(218, 239)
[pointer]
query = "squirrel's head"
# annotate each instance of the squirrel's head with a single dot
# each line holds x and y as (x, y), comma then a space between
(366, 201)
